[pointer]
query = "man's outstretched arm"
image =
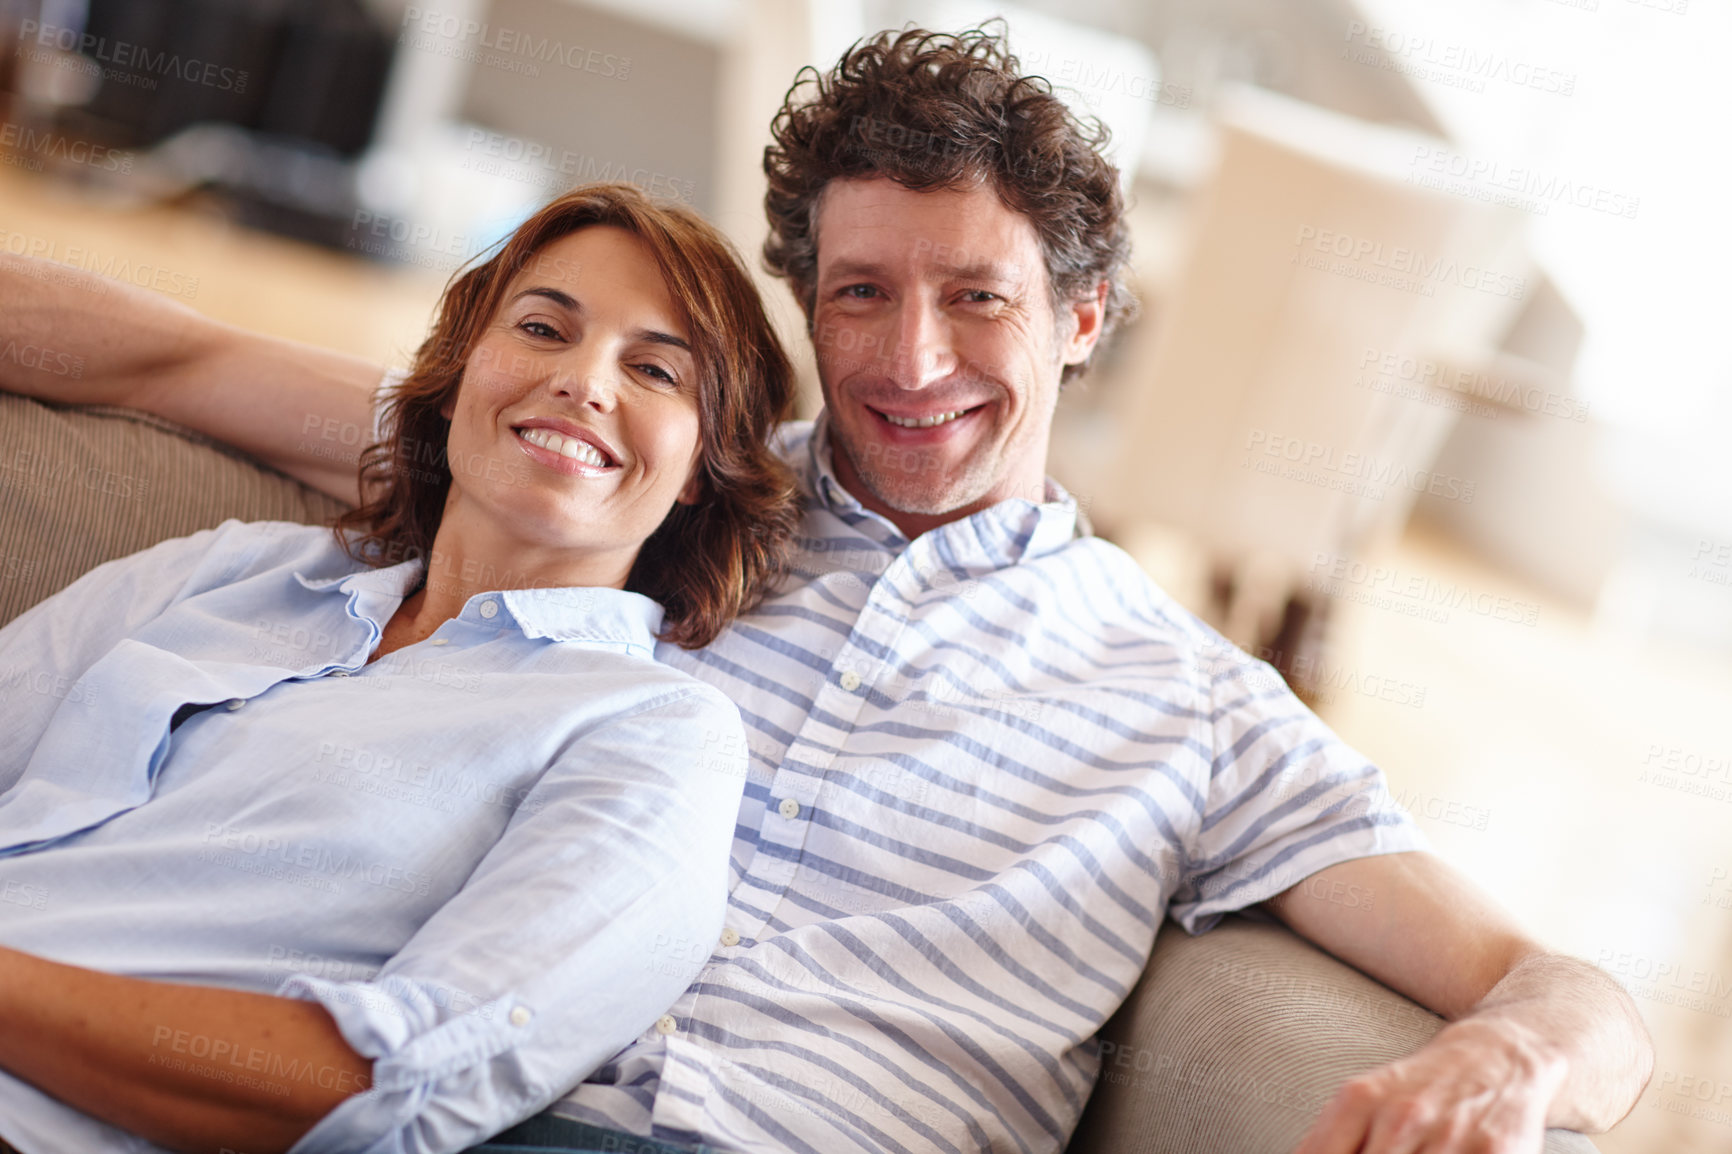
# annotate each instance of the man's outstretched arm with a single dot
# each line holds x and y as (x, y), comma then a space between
(189, 1067)
(81, 339)
(1534, 1039)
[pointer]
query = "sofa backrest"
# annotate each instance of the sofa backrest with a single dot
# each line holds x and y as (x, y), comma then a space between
(80, 486)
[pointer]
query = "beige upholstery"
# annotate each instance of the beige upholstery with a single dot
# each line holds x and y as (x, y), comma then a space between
(1234, 1040)
(1228, 1046)
(96, 484)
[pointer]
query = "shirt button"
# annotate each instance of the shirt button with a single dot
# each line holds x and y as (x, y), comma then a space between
(789, 808)
(235, 704)
(850, 681)
(666, 1024)
(490, 609)
(730, 937)
(440, 641)
(520, 1015)
(339, 673)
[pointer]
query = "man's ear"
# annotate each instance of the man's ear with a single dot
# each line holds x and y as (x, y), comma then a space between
(1082, 325)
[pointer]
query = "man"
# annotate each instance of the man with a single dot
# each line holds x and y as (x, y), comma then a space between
(987, 755)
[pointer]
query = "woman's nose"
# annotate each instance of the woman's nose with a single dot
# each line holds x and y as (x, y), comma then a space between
(588, 378)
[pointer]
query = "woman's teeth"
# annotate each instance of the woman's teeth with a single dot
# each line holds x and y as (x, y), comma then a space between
(565, 446)
(923, 422)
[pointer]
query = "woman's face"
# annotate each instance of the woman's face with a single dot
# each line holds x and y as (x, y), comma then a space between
(576, 426)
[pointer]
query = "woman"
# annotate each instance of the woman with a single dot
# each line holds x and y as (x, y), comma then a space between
(408, 808)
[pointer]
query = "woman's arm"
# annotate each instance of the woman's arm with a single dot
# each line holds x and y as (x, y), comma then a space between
(189, 1067)
(77, 338)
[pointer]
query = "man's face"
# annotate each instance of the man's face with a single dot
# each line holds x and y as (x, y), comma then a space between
(938, 348)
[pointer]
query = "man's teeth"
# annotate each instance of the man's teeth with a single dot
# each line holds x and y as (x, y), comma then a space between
(923, 422)
(565, 446)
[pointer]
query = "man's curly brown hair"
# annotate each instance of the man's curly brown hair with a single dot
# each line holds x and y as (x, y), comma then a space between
(935, 111)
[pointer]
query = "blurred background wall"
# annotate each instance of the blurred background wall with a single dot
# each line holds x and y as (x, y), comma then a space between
(1426, 404)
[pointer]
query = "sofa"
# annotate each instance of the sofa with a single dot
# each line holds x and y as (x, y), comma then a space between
(1231, 1042)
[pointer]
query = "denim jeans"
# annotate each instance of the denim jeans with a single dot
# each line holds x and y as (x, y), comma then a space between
(546, 1132)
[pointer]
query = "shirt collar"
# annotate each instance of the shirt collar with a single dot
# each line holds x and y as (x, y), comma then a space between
(582, 614)
(1013, 530)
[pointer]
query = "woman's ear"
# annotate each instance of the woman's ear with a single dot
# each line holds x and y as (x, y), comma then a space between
(694, 488)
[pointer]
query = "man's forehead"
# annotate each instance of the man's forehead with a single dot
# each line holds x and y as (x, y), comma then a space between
(880, 226)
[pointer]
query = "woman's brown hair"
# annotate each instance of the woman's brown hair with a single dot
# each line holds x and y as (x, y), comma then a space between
(708, 561)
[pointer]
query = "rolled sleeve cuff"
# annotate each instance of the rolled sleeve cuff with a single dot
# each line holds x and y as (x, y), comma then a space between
(419, 1046)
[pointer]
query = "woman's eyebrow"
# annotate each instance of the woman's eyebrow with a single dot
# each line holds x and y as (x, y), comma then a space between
(558, 297)
(567, 301)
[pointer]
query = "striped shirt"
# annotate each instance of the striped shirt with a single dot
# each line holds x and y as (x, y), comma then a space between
(983, 766)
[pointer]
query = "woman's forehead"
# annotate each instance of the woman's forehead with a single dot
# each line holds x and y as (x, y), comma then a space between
(604, 268)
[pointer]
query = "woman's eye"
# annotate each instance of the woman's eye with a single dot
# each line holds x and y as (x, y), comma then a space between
(539, 329)
(657, 372)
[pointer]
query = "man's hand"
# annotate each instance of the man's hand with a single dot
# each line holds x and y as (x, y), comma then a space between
(1536, 1039)
(1477, 1088)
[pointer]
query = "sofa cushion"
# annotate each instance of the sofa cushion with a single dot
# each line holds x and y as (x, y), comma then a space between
(1234, 1040)
(80, 486)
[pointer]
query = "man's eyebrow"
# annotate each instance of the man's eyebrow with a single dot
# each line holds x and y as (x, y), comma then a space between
(567, 301)
(975, 270)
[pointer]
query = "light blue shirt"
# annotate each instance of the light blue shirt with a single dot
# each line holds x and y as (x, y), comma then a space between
(486, 854)
(985, 765)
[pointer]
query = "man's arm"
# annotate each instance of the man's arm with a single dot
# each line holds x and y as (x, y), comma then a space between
(1535, 1039)
(189, 1067)
(81, 339)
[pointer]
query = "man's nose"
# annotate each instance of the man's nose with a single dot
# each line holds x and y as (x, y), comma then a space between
(923, 353)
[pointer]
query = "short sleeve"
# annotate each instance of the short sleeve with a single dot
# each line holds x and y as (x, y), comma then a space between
(1286, 797)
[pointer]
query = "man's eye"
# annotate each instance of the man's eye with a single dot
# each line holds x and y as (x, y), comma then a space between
(860, 292)
(981, 296)
(539, 329)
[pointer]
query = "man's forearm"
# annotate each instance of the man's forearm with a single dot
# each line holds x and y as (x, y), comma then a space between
(189, 1067)
(1565, 1008)
(81, 339)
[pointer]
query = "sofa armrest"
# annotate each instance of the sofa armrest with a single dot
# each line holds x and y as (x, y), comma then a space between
(80, 486)
(1235, 1040)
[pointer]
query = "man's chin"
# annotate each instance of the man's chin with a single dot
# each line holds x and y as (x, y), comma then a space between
(924, 500)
